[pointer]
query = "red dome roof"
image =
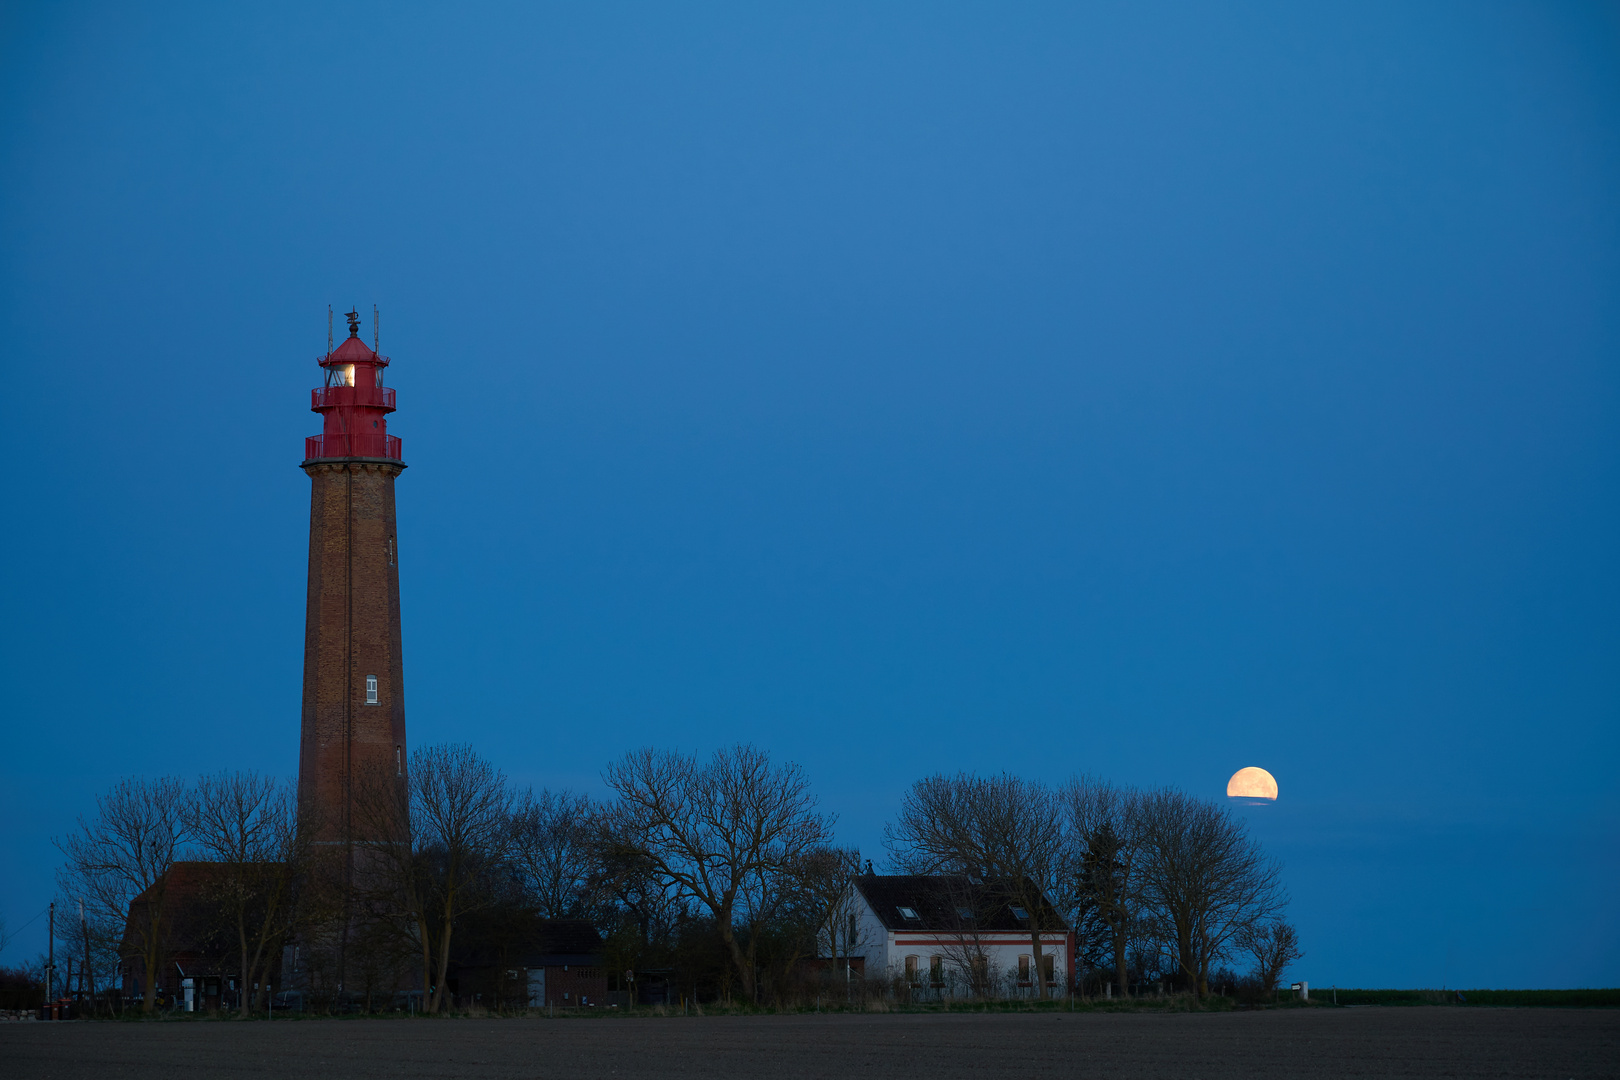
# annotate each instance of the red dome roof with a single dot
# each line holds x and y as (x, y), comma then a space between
(352, 351)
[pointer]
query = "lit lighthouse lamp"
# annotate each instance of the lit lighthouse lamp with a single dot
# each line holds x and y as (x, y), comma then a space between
(354, 404)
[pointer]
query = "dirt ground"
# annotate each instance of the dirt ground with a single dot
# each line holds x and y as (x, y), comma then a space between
(1367, 1042)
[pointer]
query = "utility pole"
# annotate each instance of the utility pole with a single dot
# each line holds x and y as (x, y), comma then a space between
(50, 965)
(89, 983)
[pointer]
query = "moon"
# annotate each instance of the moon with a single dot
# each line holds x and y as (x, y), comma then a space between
(1252, 783)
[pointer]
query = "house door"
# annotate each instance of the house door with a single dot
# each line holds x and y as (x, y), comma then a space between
(537, 988)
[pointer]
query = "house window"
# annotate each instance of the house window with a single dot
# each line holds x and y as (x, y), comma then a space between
(1020, 914)
(1023, 969)
(1048, 969)
(908, 913)
(850, 935)
(936, 970)
(965, 914)
(371, 689)
(912, 975)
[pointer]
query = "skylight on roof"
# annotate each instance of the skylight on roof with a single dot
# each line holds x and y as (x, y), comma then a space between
(1020, 913)
(965, 912)
(908, 913)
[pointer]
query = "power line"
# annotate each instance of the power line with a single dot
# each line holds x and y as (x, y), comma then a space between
(30, 922)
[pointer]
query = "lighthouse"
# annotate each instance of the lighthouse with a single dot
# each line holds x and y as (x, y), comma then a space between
(353, 725)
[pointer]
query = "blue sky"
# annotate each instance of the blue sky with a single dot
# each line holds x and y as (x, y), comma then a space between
(1144, 390)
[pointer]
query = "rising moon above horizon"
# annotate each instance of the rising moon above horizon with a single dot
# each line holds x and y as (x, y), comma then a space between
(1252, 782)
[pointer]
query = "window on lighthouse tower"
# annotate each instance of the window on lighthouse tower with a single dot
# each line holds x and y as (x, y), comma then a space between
(371, 689)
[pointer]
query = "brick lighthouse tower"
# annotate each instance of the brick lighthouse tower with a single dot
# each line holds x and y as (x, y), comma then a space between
(354, 686)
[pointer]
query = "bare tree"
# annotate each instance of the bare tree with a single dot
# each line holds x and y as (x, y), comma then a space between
(461, 806)
(627, 888)
(385, 894)
(970, 904)
(781, 913)
(831, 872)
(716, 831)
(1005, 828)
(1273, 944)
(122, 853)
(1104, 859)
(1205, 878)
(430, 838)
(248, 826)
(554, 847)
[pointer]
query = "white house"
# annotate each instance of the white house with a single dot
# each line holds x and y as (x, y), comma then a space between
(945, 936)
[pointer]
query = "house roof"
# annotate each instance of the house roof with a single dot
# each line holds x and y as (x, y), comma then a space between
(568, 937)
(196, 924)
(527, 942)
(951, 903)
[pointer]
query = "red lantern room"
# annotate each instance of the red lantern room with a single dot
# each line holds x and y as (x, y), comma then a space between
(354, 404)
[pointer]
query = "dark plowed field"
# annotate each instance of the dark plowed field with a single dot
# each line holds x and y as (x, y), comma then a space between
(1373, 1042)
